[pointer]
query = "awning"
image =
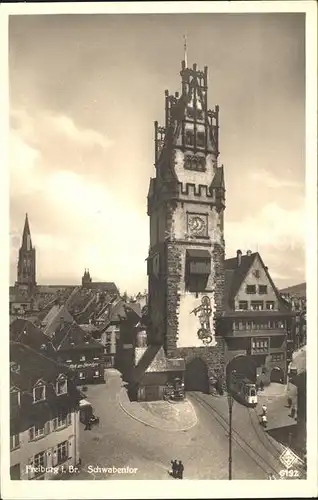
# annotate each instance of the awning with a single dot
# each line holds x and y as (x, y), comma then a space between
(195, 253)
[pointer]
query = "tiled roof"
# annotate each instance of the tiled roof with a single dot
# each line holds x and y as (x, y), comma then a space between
(71, 336)
(27, 333)
(152, 359)
(33, 366)
(54, 318)
(105, 286)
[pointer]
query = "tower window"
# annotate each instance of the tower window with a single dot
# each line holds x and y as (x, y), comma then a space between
(190, 112)
(189, 138)
(195, 163)
(201, 139)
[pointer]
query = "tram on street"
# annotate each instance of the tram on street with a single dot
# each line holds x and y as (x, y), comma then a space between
(244, 389)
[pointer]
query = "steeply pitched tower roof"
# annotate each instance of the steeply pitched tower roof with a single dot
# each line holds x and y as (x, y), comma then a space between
(26, 237)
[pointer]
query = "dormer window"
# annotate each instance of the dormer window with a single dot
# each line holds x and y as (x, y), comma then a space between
(61, 386)
(39, 393)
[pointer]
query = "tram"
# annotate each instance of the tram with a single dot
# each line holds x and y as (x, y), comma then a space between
(243, 389)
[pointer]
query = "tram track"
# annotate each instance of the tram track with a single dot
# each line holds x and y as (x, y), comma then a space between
(260, 435)
(253, 454)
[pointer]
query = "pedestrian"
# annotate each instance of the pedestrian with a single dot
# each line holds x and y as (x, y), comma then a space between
(261, 385)
(292, 411)
(264, 409)
(180, 470)
(264, 421)
(174, 468)
(289, 402)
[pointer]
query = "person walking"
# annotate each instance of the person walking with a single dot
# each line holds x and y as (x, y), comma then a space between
(264, 421)
(174, 468)
(261, 385)
(180, 470)
(292, 411)
(264, 409)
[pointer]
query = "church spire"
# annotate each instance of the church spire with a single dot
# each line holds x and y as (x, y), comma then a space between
(26, 279)
(26, 237)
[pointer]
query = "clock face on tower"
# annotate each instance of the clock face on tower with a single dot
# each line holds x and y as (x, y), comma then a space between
(197, 225)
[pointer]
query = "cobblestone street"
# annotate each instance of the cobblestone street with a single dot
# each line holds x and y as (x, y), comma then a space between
(122, 441)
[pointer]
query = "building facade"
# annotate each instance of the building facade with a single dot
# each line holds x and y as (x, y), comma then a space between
(186, 202)
(256, 322)
(44, 416)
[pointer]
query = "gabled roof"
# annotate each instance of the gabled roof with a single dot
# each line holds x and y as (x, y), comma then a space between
(234, 276)
(54, 317)
(71, 336)
(25, 332)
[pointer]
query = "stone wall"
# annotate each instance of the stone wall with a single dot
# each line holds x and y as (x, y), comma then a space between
(212, 356)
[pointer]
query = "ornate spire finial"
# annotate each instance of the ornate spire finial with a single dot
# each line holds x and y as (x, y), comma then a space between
(185, 50)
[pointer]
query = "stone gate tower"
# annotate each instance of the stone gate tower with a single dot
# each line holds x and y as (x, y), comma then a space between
(186, 203)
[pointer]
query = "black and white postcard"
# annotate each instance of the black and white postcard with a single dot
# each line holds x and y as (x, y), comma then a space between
(159, 250)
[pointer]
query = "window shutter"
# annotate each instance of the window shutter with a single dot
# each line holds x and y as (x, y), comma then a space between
(69, 449)
(31, 433)
(47, 428)
(69, 418)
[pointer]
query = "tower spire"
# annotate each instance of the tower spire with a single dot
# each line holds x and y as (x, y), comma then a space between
(26, 237)
(185, 50)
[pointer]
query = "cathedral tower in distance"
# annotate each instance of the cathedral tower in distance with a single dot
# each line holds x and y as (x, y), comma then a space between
(186, 202)
(26, 280)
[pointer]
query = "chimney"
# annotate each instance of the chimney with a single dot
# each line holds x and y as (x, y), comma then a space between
(249, 252)
(238, 257)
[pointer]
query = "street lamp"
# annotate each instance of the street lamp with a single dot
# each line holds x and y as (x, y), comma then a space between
(230, 401)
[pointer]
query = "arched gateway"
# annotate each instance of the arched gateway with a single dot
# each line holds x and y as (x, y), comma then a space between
(196, 376)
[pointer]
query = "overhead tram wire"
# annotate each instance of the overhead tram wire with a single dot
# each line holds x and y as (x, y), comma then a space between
(224, 425)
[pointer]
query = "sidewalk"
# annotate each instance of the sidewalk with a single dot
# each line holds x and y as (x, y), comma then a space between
(163, 415)
(275, 397)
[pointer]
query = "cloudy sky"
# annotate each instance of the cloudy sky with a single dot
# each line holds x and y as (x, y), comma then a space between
(84, 93)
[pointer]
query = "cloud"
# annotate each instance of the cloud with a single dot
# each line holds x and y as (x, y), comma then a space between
(76, 222)
(267, 179)
(278, 235)
(272, 226)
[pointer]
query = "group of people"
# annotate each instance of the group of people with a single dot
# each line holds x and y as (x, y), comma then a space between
(177, 469)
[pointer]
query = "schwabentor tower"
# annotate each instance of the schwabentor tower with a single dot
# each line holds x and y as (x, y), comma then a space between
(186, 203)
